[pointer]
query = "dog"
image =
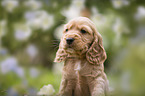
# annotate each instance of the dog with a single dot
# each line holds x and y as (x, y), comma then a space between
(82, 52)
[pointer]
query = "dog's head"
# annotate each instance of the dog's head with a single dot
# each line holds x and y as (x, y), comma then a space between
(81, 39)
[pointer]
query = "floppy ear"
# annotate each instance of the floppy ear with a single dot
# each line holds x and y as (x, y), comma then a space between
(96, 53)
(60, 54)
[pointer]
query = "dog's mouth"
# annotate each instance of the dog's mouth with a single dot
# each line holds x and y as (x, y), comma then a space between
(75, 49)
(69, 46)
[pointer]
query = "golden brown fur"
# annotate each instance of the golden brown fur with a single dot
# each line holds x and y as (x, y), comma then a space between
(83, 70)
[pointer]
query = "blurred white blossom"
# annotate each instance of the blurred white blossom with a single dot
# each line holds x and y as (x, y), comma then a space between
(22, 32)
(34, 72)
(120, 3)
(47, 90)
(33, 4)
(140, 15)
(59, 31)
(10, 5)
(98, 19)
(8, 65)
(119, 28)
(47, 22)
(39, 19)
(57, 68)
(19, 71)
(32, 50)
(73, 10)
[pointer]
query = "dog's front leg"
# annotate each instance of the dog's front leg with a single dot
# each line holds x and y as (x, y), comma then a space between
(98, 87)
(66, 87)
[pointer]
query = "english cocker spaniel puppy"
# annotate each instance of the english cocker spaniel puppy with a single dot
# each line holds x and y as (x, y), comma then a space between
(83, 54)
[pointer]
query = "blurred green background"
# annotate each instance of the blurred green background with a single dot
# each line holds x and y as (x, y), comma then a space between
(29, 37)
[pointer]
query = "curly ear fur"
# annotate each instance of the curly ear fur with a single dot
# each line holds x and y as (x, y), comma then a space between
(60, 54)
(96, 53)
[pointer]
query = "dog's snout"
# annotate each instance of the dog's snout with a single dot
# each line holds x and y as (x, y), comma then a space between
(69, 40)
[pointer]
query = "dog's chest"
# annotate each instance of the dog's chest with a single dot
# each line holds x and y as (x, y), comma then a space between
(78, 66)
(73, 67)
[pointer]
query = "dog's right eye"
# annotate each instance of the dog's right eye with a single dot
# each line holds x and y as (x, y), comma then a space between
(66, 30)
(83, 31)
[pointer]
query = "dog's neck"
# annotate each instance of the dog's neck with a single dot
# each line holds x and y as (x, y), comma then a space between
(80, 62)
(76, 56)
(78, 66)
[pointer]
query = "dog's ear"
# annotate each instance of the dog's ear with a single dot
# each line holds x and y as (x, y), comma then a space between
(96, 53)
(60, 54)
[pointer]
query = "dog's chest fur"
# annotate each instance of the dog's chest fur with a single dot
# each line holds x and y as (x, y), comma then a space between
(76, 69)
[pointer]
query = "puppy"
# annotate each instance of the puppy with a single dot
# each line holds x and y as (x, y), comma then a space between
(82, 52)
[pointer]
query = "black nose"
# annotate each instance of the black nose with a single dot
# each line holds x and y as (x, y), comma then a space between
(69, 40)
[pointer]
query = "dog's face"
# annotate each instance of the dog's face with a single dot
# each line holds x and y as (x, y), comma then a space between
(81, 39)
(77, 37)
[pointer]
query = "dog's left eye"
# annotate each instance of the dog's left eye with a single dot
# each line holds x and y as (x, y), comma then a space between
(66, 30)
(83, 31)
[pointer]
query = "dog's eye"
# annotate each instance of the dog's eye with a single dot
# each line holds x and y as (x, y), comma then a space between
(83, 31)
(66, 30)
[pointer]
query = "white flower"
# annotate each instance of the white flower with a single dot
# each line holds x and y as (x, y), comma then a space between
(119, 27)
(35, 23)
(94, 10)
(34, 72)
(39, 19)
(32, 50)
(10, 5)
(19, 71)
(46, 22)
(47, 90)
(79, 3)
(33, 4)
(120, 3)
(98, 19)
(8, 65)
(22, 32)
(140, 15)
(73, 10)
(59, 31)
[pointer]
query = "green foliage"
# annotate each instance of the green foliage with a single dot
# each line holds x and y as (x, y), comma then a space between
(29, 41)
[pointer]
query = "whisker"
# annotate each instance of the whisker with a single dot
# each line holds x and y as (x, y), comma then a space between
(54, 43)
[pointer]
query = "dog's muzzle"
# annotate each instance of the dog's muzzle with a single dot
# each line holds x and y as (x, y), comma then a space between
(69, 40)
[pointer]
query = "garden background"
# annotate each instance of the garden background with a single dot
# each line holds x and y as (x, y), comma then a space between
(29, 37)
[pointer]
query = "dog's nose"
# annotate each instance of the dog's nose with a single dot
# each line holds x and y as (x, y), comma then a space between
(69, 40)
